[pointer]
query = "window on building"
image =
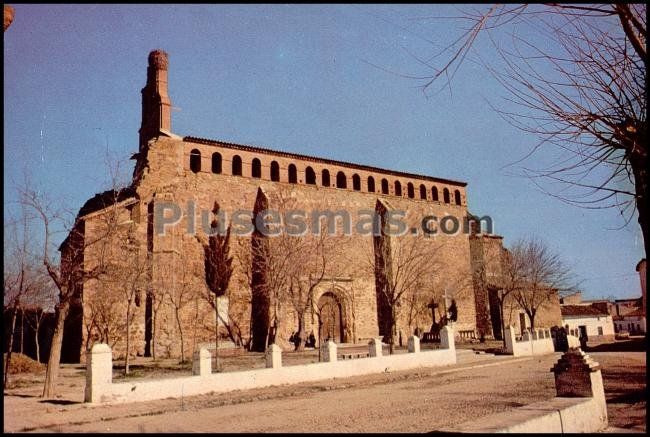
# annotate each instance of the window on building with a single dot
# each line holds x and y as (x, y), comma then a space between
(195, 161)
(256, 168)
(600, 330)
(410, 190)
(445, 195)
(275, 171)
(434, 194)
(341, 180)
(293, 174)
(398, 188)
(423, 192)
(310, 176)
(371, 184)
(457, 197)
(356, 182)
(384, 186)
(236, 165)
(325, 178)
(216, 163)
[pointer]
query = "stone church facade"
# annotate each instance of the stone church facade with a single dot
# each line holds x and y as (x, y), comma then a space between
(157, 279)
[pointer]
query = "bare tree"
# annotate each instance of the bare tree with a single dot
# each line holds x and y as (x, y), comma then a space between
(82, 256)
(406, 267)
(24, 280)
(538, 274)
(576, 75)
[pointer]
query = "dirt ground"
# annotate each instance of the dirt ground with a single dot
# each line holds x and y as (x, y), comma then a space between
(410, 401)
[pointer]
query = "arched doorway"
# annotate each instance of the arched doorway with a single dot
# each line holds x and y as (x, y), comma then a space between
(330, 319)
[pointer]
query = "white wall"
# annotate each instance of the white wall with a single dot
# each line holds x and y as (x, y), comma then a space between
(623, 325)
(592, 323)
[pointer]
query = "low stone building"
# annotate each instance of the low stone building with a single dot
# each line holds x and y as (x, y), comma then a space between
(148, 245)
(587, 319)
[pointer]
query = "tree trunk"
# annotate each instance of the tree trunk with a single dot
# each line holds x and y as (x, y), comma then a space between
(180, 333)
(38, 349)
(391, 340)
(639, 160)
(302, 335)
(54, 360)
(22, 330)
(531, 316)
(216, 334)
(11, 345)
(128, 335)
(503, 322)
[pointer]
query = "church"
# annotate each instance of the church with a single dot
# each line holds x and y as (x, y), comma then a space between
(149, 242)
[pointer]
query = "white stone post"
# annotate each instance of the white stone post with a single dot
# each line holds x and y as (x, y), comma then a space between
(510, 339)
(447, 338)
(414, 344)
(274, 356)
(328, 351)
(374, 347)
(577, 375)
(202, 362)
(99, 372)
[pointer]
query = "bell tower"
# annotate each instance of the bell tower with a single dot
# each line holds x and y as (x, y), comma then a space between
(156, 106)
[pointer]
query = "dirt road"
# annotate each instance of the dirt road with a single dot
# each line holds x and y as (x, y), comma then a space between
(414, 401)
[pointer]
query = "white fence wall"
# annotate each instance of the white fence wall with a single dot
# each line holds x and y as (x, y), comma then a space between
(537, 342)
(101, 389)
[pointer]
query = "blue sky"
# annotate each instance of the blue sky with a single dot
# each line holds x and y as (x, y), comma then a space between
(300, 78)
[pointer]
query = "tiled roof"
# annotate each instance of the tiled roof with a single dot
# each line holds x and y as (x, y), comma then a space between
(319, 160)
(581, 310)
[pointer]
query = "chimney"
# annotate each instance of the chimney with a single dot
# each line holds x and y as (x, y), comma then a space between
(156, 106)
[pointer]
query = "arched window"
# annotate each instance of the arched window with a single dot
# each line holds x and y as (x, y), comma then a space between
(384, 186)
(398, 188)
(310, 176)
(371, 184)
(423, 192)
(410, 190)
(195, 161)
(434, 194)
(275, 171)
(445, 195)
(325, 178)
(341, 180)
(356, 182)
(216, 163)
(256, 170)
(293, 174)
(236, 165)
(457, 197)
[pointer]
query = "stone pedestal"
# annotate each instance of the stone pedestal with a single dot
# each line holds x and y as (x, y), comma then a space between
(374, 347)
(447, 338)
(577, 375)
(414, 344)
(202, 362)
(274, 356)
(510, 339)
(99, 371)
(328, 351)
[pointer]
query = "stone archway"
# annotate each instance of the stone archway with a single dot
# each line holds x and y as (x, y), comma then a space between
(331, 321)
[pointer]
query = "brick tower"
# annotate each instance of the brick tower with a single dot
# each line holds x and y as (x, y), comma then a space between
(156, 106)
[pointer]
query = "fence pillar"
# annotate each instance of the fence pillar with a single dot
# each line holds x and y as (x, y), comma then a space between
(577, 375)
(273, 356)
(510, 339)
(414, 344)
(202, 362)
(374, 347)
(99, 372)
(447, 338)
(328, 351)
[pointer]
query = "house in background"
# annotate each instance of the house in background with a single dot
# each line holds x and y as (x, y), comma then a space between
(589, 320)
(632, 322)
